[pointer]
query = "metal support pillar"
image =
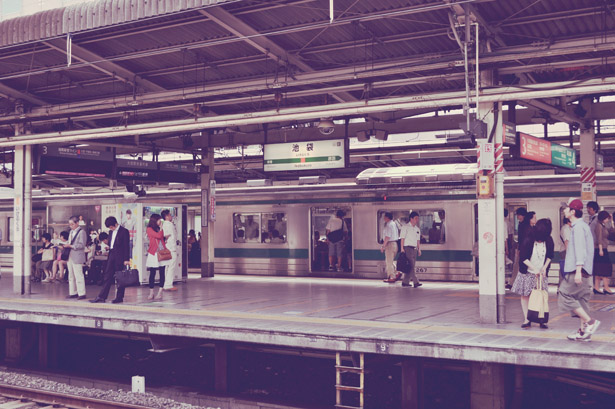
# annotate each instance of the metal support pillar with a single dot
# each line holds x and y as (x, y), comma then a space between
(410, 383)
(588, 158)
(22, 217)
(491, 224)
(207, 225)
(488, 385)
(43, 345)
(221, 367)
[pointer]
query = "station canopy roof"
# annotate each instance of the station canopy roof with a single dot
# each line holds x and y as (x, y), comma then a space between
(178, 75)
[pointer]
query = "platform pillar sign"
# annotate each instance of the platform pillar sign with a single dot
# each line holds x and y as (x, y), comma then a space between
(491, 225)
(208, 212)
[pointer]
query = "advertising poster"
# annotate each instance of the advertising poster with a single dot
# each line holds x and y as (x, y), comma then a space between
(128, 219)
(148, 210)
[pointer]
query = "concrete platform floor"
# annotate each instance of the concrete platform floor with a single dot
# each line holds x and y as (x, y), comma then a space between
(438, 319)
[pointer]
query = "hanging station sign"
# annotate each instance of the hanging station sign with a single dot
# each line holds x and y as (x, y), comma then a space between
(540, 150)
(135, 169)
(59, 160)
(304, 155)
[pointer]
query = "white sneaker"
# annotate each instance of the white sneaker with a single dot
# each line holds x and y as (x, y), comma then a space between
(590, 329)
(580, 335)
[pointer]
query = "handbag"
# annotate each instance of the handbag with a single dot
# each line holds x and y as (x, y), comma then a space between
(163, 253)
(127, 277)
(37, 257)
(538, 306)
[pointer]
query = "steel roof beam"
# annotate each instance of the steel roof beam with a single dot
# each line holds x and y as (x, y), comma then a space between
(262, 43)
(13, 94)
(103, 65)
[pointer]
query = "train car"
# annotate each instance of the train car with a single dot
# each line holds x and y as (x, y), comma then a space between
(280, 230)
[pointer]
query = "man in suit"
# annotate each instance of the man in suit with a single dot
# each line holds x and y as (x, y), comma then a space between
(77, 241)
(119, 256)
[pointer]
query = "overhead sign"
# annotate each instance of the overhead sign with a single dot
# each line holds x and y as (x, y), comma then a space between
(510, 134)
(178, 172)
(59, 160)
(136, 169)
(540, 150)
(304, 155)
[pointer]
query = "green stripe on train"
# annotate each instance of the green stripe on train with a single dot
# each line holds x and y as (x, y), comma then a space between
(261, 253)
(426, 255)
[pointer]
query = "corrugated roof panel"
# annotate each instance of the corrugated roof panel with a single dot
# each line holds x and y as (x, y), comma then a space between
(87, 16)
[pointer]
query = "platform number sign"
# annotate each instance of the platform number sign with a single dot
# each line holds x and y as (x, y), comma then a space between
(382, 348)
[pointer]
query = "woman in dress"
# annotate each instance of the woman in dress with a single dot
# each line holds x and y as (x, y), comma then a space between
(535, 255)
(156, 242)
(603, 269)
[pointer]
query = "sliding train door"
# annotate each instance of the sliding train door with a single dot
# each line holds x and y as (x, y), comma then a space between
(341, 259)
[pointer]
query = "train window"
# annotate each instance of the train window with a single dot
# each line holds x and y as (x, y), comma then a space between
(274, 228)
(431, 223)
(246, 227)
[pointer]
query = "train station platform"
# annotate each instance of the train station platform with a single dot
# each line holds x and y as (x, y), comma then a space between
(437, 320)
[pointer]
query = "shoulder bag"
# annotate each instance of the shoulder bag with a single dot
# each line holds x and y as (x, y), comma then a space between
(163, 253)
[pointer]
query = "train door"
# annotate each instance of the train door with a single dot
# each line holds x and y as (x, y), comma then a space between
(320, 262)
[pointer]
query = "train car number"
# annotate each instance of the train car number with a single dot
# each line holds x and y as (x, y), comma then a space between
(420, 270)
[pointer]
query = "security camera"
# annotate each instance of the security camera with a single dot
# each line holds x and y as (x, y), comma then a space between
(326, 126)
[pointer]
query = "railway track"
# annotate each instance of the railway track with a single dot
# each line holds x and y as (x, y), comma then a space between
(16, 397)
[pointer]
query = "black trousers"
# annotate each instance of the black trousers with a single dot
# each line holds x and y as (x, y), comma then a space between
(152, 276)
(113, 265)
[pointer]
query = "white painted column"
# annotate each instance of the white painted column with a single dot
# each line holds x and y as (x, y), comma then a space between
(491, 227)
(207, 225)
(22, 218)
(18, 221)
(588, 159)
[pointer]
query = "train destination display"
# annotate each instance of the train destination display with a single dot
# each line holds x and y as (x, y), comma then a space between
(59, 160)
(543, 151)
(304, 155)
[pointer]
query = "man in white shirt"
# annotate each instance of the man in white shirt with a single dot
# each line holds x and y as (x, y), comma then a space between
(336, 232)
(170, 238)
(389, 247)
(411, 245)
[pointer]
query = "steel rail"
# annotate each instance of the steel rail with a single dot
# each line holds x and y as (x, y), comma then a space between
(56, 398)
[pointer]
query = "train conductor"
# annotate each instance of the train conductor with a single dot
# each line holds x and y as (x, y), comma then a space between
(119, 256)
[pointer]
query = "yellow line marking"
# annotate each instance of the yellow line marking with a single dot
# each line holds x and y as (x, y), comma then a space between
(310, 320)
(229, 304)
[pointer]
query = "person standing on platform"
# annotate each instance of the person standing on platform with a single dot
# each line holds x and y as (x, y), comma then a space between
(535, 255)
(575, 288)
(389, 247)
(411, 246)
(603, 268)
(77, 240)
(170, 237)
(119, 257)
(592, 210)
(156, 242)
(524, 224)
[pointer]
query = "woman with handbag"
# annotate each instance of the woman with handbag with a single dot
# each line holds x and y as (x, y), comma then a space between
(603, 268)
(535, 255)
(155, 254)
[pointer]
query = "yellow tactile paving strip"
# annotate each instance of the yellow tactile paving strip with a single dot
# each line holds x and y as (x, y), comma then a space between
(605, 337)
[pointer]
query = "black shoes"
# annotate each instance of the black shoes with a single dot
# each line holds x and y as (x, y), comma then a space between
(544, 326)
(598, 292)
(526, 325)
(117, 301)
(72, 296)
(418, 285)
(81, 297)
(405, 285)
(97, 300)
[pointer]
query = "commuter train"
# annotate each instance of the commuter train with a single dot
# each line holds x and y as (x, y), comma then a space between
(280, 230)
